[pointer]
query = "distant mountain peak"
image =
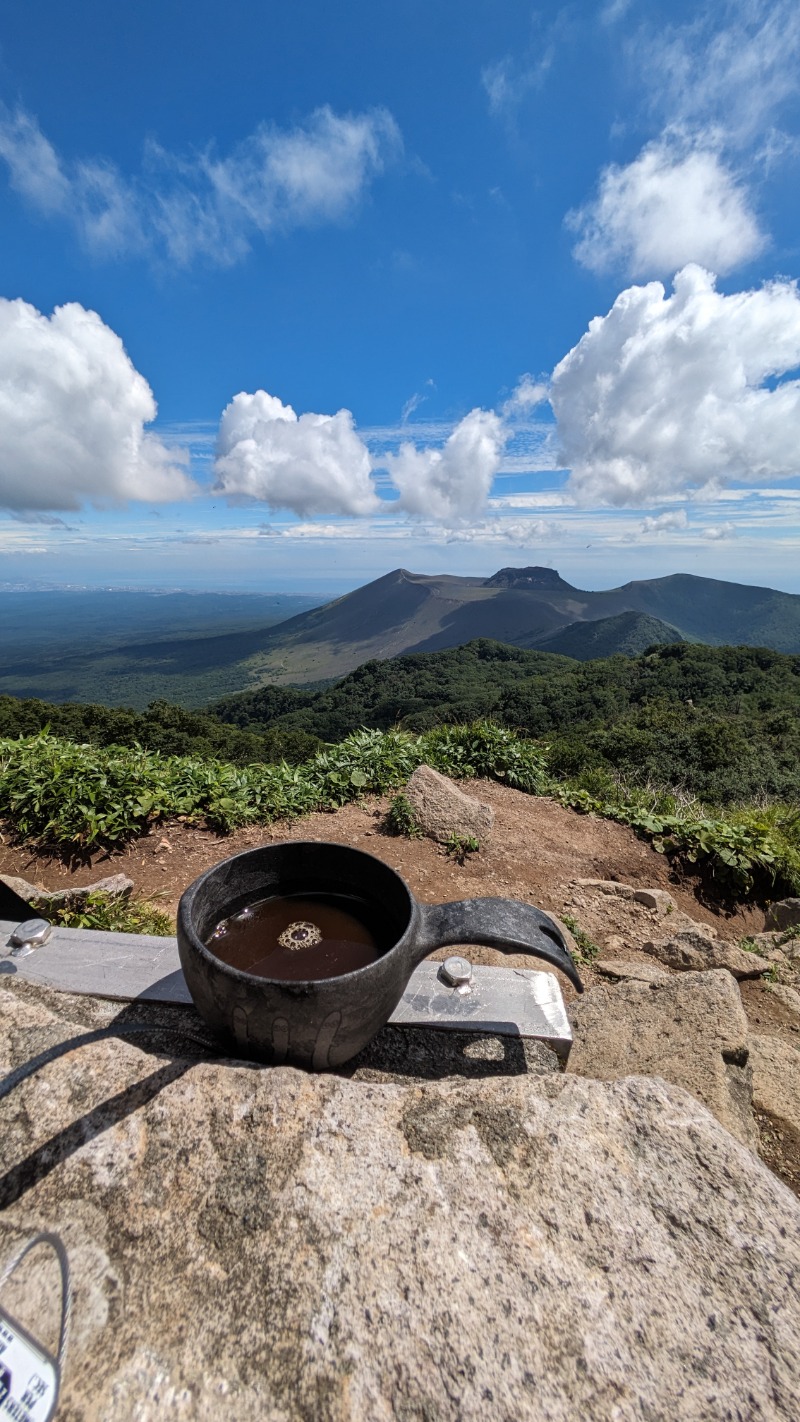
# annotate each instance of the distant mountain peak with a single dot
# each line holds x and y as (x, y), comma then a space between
(526, 578)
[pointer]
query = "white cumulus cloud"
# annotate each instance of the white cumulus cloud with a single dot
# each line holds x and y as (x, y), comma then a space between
(668, 522)
(73, 411)
(681, 391)
(206, 204)
(665, 209)
(450, 484)
(310, 464)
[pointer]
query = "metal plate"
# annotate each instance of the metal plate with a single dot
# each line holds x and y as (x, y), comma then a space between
(509, 1002)
(120, 966)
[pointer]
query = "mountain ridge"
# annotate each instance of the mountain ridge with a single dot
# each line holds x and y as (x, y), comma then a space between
(404, 612)
(401, 612)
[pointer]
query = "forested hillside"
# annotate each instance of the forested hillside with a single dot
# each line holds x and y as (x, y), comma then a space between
(722, 723)
(162, 727)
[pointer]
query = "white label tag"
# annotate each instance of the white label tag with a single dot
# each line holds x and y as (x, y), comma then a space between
(28, 1375)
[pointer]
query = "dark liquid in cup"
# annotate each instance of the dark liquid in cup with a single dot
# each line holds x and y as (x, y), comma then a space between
(301, 936)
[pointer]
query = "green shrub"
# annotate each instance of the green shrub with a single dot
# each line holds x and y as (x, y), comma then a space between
(401, 819)
(458, 846)
(587, 949)
(114, 913)
(58, 792)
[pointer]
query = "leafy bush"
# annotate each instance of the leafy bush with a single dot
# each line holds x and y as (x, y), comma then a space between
(55, 791)
(459, 847)
(114, 913)
(401, 819)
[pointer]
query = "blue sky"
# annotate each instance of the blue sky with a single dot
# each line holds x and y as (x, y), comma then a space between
(295, 294)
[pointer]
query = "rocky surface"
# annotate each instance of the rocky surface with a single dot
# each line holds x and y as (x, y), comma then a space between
(264, 1245)
(783, 914)
(690, 1029)
(443, 811)
(788, 997)
(114, 885)
(692, 950)
(621, 970)
(776, 1080)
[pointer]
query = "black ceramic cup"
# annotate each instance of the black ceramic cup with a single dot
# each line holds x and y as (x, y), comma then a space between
(323, 1022)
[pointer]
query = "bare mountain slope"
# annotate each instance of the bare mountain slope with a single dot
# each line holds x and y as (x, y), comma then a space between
(413, 612)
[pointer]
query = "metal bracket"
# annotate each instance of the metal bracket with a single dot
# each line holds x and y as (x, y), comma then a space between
(454, 995)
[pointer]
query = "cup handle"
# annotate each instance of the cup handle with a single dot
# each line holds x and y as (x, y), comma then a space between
(495, 923)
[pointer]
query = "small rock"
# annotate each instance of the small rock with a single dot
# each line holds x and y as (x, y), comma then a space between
(613, 944)
(691, 1031)
(691, 951)
(22, 887)
(624, 971)
(657, 899)
(776, 1080)
(765, 942)
(442, 810)
(784, 914)
(607, 886)
(114, 886)
(789, 997)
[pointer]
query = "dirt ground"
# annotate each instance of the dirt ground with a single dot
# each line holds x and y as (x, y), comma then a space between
(538, 852)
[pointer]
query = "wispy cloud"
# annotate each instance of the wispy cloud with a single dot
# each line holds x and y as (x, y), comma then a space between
(205, 204)
(509, 80)
(35, 516)
(614, 11)
(522, 533)
(731, 71)
(719, 87)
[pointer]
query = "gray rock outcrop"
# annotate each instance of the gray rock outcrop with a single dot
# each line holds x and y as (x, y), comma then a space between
(691, 950)
(788, 997)
(784, 914)
(114, 886)
(776, 1080)
(690, 1029)
(442, 810)
(622, 970)
(267, 1246)
(657, 899)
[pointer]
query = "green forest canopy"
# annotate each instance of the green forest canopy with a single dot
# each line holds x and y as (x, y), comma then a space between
(721, 722)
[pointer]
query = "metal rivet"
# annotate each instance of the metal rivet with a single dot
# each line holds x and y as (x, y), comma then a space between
(457, 971)
(29, 935)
